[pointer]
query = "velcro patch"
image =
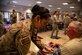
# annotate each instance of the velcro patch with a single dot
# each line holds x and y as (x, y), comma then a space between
(25, 40)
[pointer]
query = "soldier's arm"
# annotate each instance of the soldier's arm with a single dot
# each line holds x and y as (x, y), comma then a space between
(37, 42)
(40, 44)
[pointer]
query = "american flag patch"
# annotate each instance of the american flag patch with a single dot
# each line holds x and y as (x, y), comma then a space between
(25, 40)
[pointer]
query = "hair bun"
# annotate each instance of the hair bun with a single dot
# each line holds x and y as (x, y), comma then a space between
(35, 9)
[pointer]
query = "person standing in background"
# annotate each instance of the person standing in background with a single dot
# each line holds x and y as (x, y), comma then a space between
(55, 24)
(67, 20)
(13, 17)
(21, 16)
(2, 27)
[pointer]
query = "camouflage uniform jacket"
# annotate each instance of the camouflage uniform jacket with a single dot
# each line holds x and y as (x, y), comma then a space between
(17, 40)
(73, 47)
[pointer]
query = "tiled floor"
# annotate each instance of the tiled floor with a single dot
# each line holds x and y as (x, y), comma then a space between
(46, 39)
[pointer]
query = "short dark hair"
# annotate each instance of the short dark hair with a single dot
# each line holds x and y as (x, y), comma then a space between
(13, 10)
(55, 12)
(75, 19)
(42, 11)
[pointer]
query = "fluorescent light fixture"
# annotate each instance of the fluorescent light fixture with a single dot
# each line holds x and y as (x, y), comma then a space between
(59, 8)
(50, 5)
(65, 3)
(38, 2)
(14, 1)
(28, 11)
(72, 7)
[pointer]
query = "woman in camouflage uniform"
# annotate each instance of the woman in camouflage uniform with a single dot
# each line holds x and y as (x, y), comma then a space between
(13, 17)
(17, 40)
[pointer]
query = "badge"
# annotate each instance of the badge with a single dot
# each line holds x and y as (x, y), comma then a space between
(25, 40)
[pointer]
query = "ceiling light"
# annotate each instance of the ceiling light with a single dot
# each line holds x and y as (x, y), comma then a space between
(28, 11)
(14, 1)
(50, 5)
(38, 2)
(59, 8)
(65, 3)
(72, 7)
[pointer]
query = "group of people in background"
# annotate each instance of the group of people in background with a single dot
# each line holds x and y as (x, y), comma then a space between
(62, 22)
(13, 16)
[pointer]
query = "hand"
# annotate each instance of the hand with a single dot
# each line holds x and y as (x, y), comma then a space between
(48, 49)
(39, 38)
(53, 44)
(45, 51)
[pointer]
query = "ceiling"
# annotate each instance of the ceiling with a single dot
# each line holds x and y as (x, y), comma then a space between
(22, 5)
